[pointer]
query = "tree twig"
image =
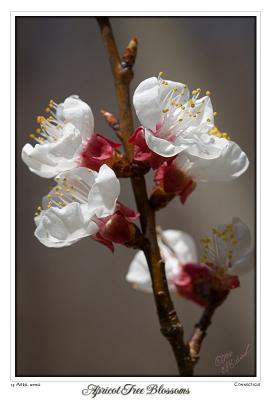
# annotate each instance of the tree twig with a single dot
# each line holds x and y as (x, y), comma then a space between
(200, 331)
(171, 326)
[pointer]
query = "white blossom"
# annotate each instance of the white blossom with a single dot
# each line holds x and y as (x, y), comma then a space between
(72, 208)
(175, 124)
(59, 138)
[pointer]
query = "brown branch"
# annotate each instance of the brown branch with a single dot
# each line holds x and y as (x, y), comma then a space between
(122, 78)
(186, 355)
(199, 333)
(171, 327)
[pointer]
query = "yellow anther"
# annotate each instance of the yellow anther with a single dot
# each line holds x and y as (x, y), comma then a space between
(49, 196)
(38, 130)
(183, 107)
(165, 110)
(47, 110)
(225, 135)
(180, 120)
(194, 92)
(215, 114)
(40, 119)
(174, 89)
(208, 120)
(161, 74)
(198, 90)
(208, 93)
(206, 240)
(192, 104)
(32, 136)
(39, 208)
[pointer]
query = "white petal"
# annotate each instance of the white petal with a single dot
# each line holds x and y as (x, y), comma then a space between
(60, 227)
(179, 88)
(243, 236)
(231, 163)
(176, 248)
(243, 265)
(104, 193)
(183, 245)
(79, 174)
(76, 111)
(49, 159)
(138, 273)
(148, 100)
(147, 103)
(161, 146)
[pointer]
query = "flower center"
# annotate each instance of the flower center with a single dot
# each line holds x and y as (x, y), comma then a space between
(218, 249)
(67, 190)
(50, 128)
(176, 117)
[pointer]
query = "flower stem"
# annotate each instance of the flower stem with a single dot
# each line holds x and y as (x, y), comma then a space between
(171, 326)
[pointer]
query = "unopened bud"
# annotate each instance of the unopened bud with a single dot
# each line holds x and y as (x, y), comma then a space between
(130, 53)
(112, 121)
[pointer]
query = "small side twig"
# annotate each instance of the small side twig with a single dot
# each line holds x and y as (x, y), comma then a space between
(200, 331)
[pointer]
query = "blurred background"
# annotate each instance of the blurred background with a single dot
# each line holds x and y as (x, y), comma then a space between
(76, 314)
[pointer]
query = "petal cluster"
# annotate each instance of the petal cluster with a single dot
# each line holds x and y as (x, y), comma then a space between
(59, 137)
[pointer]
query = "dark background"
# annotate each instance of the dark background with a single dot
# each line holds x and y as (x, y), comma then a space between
(75, 313)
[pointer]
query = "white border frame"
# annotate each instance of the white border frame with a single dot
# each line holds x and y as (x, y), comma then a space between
(124, 380)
